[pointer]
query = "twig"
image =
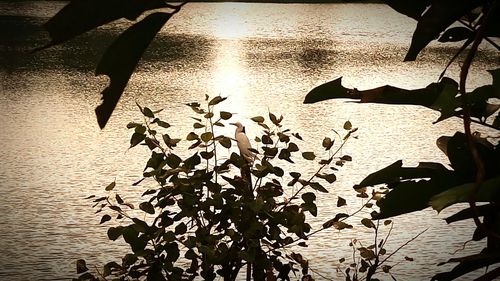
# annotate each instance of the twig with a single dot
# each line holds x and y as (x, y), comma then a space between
(400, 247)
(480, 173)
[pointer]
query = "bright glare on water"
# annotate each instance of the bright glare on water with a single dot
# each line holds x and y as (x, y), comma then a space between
(263, 57)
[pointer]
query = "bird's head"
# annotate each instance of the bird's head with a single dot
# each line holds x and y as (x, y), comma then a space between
(239, 126)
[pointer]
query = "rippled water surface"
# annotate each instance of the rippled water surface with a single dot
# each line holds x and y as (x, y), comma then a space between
(263, 57)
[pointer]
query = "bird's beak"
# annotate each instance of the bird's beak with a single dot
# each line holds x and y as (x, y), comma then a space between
(234, 124)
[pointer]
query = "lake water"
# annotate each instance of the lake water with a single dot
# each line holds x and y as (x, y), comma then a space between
(263, 57)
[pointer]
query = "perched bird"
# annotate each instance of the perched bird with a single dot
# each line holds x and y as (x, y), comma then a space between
(243, 143)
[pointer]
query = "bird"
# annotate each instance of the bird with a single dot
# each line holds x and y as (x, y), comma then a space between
(243, 143)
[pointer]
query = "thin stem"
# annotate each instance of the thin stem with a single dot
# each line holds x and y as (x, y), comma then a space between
(401, 247)
(485, 38)
(480, 173)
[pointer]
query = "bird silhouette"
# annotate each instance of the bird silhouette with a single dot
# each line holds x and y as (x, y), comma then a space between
(243, 143)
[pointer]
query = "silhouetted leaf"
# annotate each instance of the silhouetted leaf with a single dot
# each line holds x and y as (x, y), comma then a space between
(81, 266)
(121, 58)
(198, 125)
(147, 207)
(408, 195)
(206, 137)
(435, 20)
(133, 125)
(119, 200)
(455, 34)
(368, 223)
(80, 16)
(439, 96)
(329, 90)
(216, 100)
(225, 115)
(318, 187)
(171, 143)
(110, 186)
(341, 225)
(308, 155)
(468, 264)
(258, 119)
(327, 143)
(292, 147)
(308, 197)
(347, 125)
(148, 112)
(163, 124)
(487, 192)
(330, 178)
(225, 142)
(105, 218)
(469, 213)
(115, 232)
(413, 9)
(341, 202)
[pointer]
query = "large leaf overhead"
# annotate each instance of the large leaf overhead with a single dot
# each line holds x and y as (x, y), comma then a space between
(440, 15)
(80, 16)
(413, 9)
(121, 58)
(419, 183)
(438, 96)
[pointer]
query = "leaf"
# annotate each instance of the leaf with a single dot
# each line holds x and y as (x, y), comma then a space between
(198, 125)
(292, 147)
(105, 218)
(119, 200)
(468, 264)
(148, 112)
(455, 34)
(81, 266)
(329, 90)
(308, 197)
(163, 124)
(181, 228)
(308, 155)
(121, 58)
(341, 225)
(327, 143)
(285, 155)
(225, 115)
(132, 125)
(147, 207)
(487, 192)
(341, 202)
(408, 195)
(469, 213)
(347, 125)
(225, 142)
(173, 161)
(330, 178)
(346, 158)
(169, 141)
(258, 119)
(80, 16)
(413, 9)
(368, 223)
(216, 100)
(435, 20)
(110, 186)
(115, 232)
(318, 187)
(206, 137)
(437, 96)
